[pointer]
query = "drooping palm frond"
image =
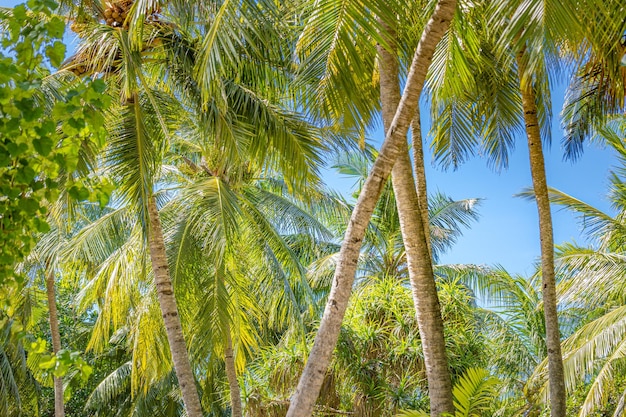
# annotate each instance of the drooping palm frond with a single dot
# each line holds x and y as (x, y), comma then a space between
(151, 360)
(476, 106)
(112, 397)
(113, 389)
(115, 288)
(134, 150)
(593, 275)
(233, 33)
(447, 219)
(12, 367)
(590, 352)
(337, 58)
(95, 242)
(539, 27)
(450, 83)
(19, 380)
(597, 89)
(597, 224)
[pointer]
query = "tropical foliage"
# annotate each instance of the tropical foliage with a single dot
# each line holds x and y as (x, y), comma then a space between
(169, 248)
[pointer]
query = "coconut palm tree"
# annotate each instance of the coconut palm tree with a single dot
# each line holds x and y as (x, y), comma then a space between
(416, 243)
(237, 235)
(487, 100)
(136, 141)
(208, 228)
(592, 279)
(339, 18)
(133, 49)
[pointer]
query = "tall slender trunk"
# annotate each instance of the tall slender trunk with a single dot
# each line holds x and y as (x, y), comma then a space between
(231, 374)
(419, 261)
(556, 376)
(420, 174)
(59, 408)
(169, 311)
(308, 389)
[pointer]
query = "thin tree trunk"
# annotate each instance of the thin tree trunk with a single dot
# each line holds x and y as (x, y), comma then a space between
(169, 311)
(419, 261)
(308, 389)
(231, 374)
(556, 377)
(420, 174)
(59, 408)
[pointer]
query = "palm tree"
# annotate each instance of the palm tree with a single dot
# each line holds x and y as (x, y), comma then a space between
(204, 66)
(236, 234)
(491, 102)
(326, 17)
(417, 246)
(208, 228)
(59, 409)
(593, 280)
(136, 138)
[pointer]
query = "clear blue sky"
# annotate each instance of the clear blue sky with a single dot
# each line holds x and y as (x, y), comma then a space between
(507, 232)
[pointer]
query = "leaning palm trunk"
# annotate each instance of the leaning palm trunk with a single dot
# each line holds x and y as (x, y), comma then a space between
(59, 408)
(538, 172)
(231, 374)
(169, 311)
(308, 389)
(415, 240)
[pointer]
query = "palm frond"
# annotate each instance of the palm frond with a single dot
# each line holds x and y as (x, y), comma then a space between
(336, 52)
(474, 392)
(447, 218)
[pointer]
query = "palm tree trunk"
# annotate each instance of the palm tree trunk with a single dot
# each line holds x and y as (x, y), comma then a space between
(308, 389)
(169, 311)
(538, 172)
(59, 408)
(423, 288)
(231, 374)
(420, 174)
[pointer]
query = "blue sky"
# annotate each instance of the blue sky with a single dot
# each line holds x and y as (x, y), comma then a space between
(507, 232)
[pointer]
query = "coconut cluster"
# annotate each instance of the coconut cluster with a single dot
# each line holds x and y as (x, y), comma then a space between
(79, 69)
(115, 12)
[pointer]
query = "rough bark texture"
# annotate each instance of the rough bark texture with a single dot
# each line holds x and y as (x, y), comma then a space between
(169, 311)
(420, 174)
(308, 389)
(556, 377)
(419, 261)
(59, 408)
(231, 374)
